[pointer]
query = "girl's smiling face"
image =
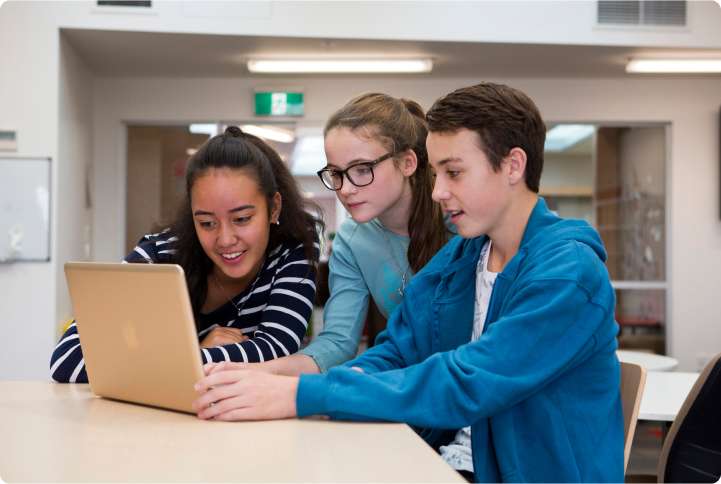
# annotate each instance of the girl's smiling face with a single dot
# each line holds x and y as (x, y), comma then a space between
(232, 221)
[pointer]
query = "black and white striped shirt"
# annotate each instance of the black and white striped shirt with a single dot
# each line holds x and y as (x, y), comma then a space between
(274, 310)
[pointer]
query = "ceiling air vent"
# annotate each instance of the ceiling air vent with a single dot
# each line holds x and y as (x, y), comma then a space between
(125, 3)
(644, 12)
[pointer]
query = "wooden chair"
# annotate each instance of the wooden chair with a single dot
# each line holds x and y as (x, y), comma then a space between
(692, 449)
(633, 379)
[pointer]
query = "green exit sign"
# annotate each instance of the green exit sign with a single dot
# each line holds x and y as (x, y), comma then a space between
(279, 104)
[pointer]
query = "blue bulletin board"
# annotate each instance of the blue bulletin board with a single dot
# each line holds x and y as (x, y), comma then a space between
(24, 209)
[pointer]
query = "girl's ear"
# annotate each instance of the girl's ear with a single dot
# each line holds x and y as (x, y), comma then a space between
(408, 163)
(276, 208)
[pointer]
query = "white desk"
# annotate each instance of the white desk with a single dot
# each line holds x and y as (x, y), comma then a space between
(650, 361)
(664, 394)
(53, 432)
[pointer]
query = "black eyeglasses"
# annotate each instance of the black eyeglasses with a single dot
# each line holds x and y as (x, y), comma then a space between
(360, 174)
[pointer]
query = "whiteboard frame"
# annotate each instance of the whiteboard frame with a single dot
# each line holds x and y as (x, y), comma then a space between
(5, 157)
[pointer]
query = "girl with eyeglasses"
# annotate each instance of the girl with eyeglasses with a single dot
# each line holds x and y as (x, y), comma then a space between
(378, 167)
(248, 248)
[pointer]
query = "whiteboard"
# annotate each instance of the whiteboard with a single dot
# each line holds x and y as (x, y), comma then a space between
(24, 209)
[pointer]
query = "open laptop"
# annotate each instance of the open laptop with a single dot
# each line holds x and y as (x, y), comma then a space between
(137, 331)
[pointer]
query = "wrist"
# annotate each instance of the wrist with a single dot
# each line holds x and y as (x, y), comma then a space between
(294, 395)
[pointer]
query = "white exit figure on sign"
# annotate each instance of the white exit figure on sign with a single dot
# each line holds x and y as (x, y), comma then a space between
(278, 103)
(15, 242)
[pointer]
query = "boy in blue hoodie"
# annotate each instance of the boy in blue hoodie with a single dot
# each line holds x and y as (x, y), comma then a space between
(506, 337)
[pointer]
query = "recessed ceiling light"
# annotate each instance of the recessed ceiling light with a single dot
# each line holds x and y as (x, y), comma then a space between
(674, 66)
(563, 136)
(272, 133)
(204, 128)
(328, 66)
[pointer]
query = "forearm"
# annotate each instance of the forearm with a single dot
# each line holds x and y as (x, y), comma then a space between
(472, 381)
(345, 311)
(394, 348)
(330, 349)
(292, 365)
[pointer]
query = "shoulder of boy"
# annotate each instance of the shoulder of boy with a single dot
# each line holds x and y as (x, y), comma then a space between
(567, 259)
(454, 248)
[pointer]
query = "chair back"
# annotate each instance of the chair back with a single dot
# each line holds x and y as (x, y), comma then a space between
(692, 449)
(633, 379)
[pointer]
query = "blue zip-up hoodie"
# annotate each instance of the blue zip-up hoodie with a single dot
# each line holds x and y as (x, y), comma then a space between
(540, 388)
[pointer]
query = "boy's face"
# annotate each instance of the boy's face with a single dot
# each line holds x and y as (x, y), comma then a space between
(475, 196)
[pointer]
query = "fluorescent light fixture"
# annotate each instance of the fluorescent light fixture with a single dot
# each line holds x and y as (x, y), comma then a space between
(674, 66)
(564, 136)
(356, 66)
(204, 128)
(272, 133)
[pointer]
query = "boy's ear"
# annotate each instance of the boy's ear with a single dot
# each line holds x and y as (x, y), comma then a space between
(277, 206)
(408, 162)
(516, 165)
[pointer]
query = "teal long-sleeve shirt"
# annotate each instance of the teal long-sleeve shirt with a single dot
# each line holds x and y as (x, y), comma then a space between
(368, 261)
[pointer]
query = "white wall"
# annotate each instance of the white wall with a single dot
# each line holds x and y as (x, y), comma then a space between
(691, 106)
(567, 171)
(518, 21)
(72, 207)
(29, 105)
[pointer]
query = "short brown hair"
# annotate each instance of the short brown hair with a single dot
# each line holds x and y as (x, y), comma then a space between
(503, 117)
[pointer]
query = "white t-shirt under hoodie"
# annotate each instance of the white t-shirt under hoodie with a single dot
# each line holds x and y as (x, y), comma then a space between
(458, 453)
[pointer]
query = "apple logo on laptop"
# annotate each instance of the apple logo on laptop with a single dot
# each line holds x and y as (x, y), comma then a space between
(130, 335)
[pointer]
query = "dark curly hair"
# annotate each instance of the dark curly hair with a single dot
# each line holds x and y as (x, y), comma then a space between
(235, 149)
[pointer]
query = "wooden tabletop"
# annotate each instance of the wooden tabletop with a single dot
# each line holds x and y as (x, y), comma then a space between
(54, 432)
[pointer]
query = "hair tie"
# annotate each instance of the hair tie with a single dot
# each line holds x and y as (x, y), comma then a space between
(234, 131)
